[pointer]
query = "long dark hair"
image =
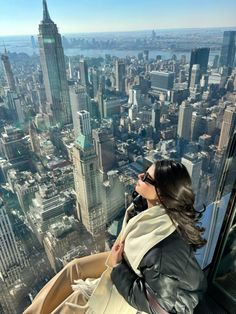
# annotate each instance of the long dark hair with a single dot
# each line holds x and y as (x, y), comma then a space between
(175, 193)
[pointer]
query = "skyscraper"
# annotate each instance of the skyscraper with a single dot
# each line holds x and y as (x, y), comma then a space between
(104, 145)
(194, 165)
(156, 114)
(228, 126)
(133, 112)
(54, 70)
(215, 61)
(100, 100)
(196, 126)
(184, 122)
(162, 80)
(120, 75)
(10, 256)
(95, 82)
(70, 70)
(83, 72)
(79, 101)
(84, 123)
(135, 95)
(16, 105)
(227, 54)
(199, 56)
(88, 183)
(47, 206)
(195, 75)
(145, 55)
(13, 145)
(8, 71)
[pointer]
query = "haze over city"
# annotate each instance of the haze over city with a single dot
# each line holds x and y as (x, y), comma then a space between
(19, 17)
(91, 94)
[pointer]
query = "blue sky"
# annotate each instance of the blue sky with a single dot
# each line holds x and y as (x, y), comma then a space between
(82, 16)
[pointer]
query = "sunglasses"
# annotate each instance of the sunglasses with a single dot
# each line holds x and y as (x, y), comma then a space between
(146, 178)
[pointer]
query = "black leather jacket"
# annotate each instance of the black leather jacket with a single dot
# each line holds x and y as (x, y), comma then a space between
(171, 271)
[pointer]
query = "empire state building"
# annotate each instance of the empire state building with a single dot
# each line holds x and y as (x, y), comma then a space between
(54, 71)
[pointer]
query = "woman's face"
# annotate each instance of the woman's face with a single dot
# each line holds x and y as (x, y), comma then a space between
(145, 188)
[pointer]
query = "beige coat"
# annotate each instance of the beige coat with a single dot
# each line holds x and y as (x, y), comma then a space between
(141, 233)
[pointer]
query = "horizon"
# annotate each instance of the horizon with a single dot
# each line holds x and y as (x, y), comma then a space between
(129, 31)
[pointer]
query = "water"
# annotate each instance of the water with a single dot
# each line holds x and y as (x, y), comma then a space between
(21, 44)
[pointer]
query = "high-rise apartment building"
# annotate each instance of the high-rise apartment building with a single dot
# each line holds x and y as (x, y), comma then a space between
(54, 70)
(227, 54)
(8, 71)
(199, 56)
(184, 121)
(228, 126)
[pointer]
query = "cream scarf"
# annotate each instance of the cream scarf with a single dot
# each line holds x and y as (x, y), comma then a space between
(139, 234)
(144, 231)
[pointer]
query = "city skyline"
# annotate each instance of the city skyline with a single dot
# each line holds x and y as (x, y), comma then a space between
(106, 16)
(81, 120)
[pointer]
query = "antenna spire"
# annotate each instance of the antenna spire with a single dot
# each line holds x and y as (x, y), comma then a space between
(46, 16)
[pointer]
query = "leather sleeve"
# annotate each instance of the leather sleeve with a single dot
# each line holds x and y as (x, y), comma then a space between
(172, 273)
(130, 286)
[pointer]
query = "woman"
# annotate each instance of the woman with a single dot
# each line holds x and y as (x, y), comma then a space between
(151, 267)
(166, 273)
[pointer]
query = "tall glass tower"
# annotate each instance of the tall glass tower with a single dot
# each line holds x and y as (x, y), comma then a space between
(228, 49)
(120, 75)
(54, 71)
(199, 56)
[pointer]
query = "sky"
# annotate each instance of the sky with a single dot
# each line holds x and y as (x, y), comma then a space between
(21, 17)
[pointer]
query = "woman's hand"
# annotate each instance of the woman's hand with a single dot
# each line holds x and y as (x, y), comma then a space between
(116, 253)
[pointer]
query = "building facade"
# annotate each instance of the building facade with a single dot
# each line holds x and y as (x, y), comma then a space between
(199, 56)
(228, 126)
(120, 75)
(184, 121)
(88, 185)
(8, 71)
(54, 71)
(162, 80)
(227, 54)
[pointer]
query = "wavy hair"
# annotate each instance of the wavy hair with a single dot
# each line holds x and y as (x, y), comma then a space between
(174, 190)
